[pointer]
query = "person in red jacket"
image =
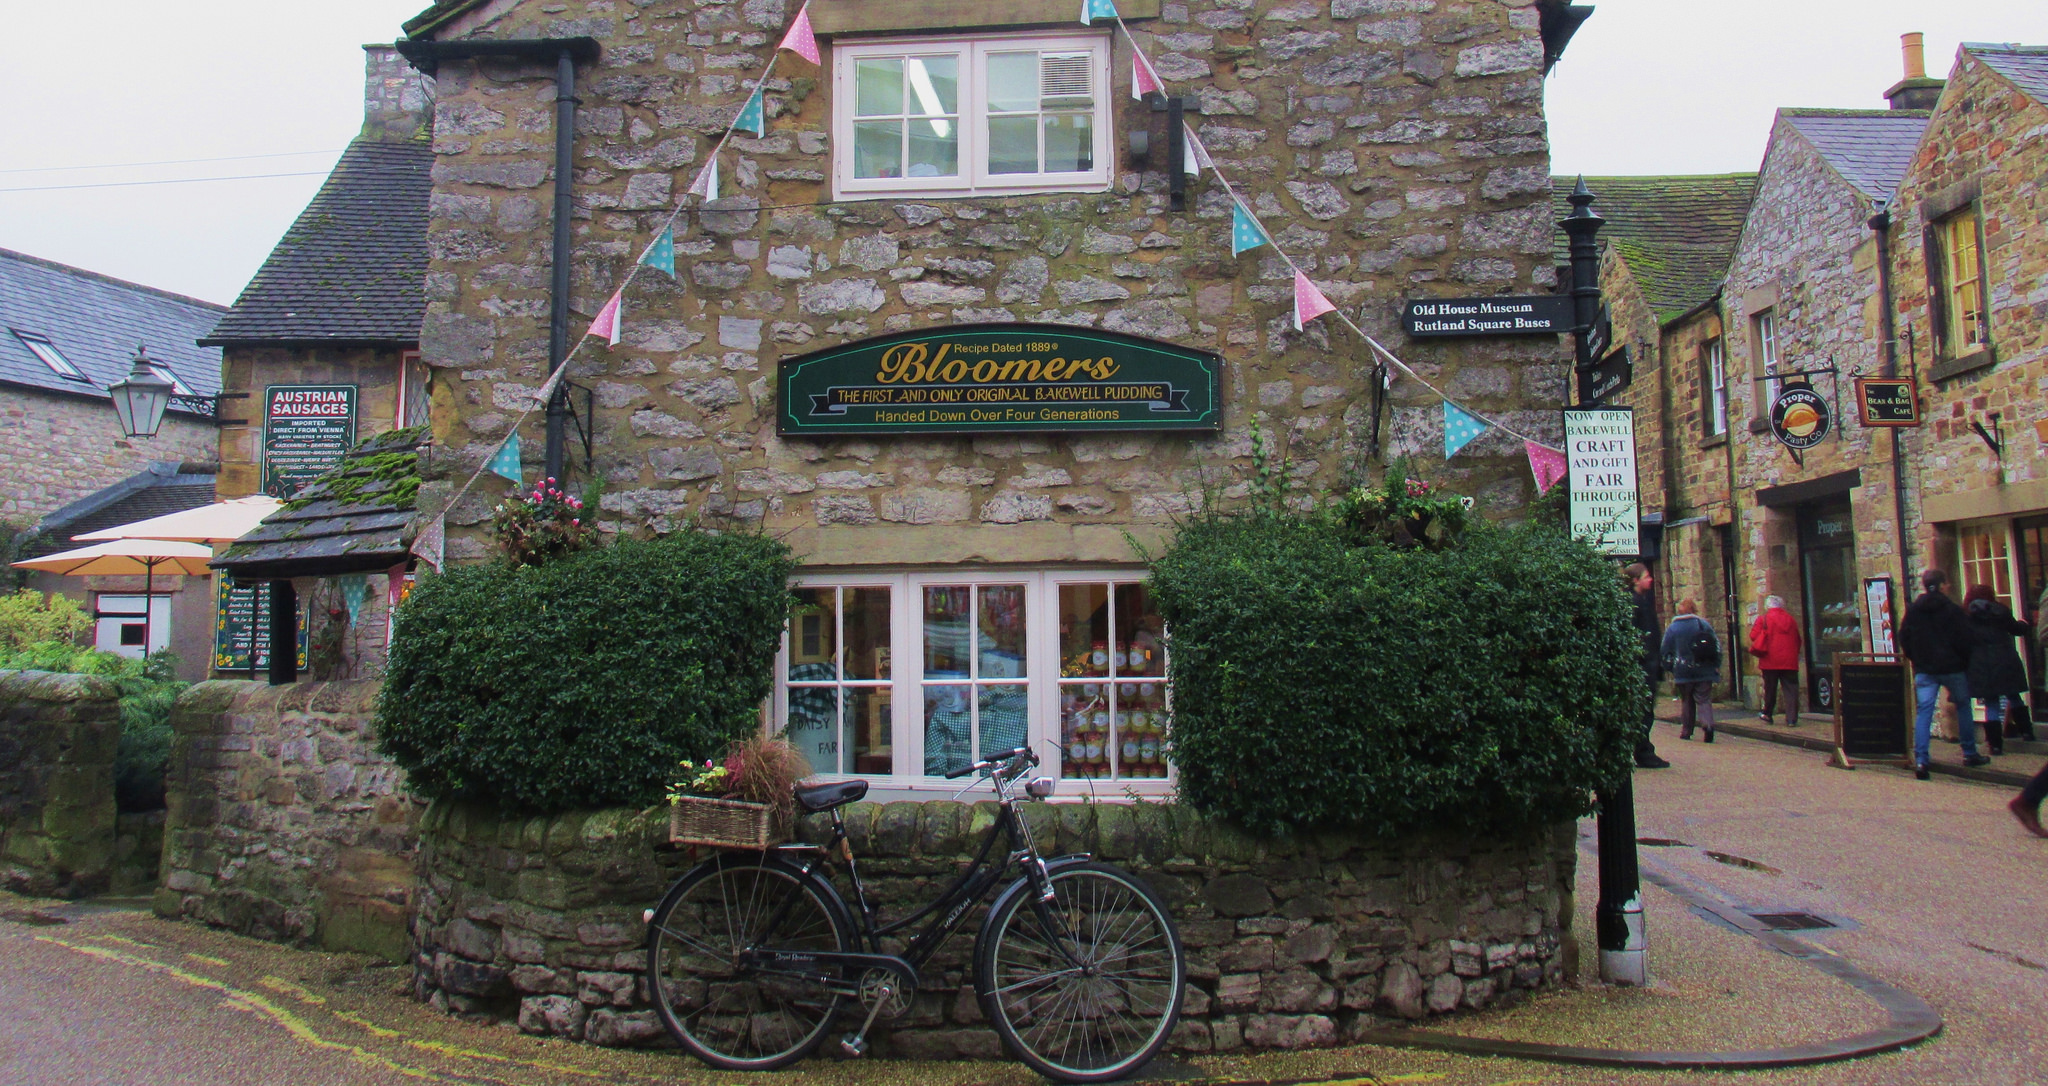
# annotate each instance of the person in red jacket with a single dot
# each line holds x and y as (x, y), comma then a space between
(1774, 641)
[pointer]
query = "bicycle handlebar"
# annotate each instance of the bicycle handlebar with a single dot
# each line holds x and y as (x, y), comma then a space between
(991, 763)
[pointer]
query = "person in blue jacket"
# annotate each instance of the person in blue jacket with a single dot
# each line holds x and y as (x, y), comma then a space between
(1693, 656)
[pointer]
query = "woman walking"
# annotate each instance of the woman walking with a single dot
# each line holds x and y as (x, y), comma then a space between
(1774, 641)
(1693, 656)
(1996, 674)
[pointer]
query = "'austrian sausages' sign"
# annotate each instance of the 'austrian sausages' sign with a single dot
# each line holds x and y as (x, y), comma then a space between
(985, 378)
(306, 429)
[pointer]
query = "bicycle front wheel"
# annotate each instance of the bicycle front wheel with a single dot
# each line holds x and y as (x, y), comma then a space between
(715, 1003)
(1086, 988)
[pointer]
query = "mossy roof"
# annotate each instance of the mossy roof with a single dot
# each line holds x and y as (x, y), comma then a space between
(350, 520)
(1676, 233)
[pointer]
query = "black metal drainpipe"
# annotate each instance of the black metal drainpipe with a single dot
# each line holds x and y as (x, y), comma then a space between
(558, 316)
(1888, 328)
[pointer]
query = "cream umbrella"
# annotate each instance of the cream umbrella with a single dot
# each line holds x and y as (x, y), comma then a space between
(125, 558)
(220, 522)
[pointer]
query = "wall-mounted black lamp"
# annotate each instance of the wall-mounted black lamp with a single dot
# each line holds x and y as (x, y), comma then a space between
(1994, 437)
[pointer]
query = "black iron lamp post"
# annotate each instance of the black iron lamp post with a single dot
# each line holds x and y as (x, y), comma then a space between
(1618, 917)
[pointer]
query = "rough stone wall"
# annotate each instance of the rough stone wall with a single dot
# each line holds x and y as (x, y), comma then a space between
(62, 448)
(1397, 147)
(1636, 327)
(58, 734)
(1986, 132)
(284, 822)
(374, 370)
(1288, 944)
(1807, 255)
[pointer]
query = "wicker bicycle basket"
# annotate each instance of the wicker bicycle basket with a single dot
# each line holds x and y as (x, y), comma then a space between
(722, 823)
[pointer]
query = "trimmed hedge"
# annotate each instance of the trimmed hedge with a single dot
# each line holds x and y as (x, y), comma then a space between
(1315, 683)
(583, 682)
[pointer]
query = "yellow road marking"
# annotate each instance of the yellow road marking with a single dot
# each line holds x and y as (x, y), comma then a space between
(208, 959)
(298, 992)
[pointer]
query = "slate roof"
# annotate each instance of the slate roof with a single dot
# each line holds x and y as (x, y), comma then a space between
(1870, 148)
(352, 269)
(96, 321)
(350, 520)
(2025, 65)
(1677, 233)
(165, 488)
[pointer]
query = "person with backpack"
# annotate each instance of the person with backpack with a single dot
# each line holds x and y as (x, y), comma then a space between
(1774, 641)
(1997, 677)
(1935, 636)
(1693, 655)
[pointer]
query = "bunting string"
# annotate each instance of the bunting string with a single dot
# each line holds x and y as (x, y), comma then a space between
(1462, 424)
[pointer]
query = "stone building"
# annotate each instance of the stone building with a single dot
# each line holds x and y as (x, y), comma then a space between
(69, 334)
(1666, 246)
(978, 179)
(1969, 283)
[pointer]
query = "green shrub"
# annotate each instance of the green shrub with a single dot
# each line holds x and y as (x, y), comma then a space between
(582, 682)
(1316, 683)
(148, 689)
(28, 618)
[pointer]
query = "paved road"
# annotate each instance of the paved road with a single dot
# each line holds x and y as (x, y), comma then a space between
(1935, 888)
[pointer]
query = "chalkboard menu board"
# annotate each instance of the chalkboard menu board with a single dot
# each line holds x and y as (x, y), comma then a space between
(241, 627)
(1873, 709)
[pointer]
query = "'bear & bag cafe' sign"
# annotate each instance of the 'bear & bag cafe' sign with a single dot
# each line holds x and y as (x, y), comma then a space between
(982, 378)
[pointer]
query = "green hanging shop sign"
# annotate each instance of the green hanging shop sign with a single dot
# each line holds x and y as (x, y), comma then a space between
(990, 378)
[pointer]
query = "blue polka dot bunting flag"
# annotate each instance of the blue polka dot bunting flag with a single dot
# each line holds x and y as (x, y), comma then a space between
(506, 463)
(753, 117)
(1245, 231)
(661, 256)
(1459, 429)
(1097, 9)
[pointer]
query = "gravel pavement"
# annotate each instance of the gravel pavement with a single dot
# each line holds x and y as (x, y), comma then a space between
(1933, 886)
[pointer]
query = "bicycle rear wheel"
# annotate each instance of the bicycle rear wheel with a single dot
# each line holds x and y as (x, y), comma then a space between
(719, 1008)
(1088, 987)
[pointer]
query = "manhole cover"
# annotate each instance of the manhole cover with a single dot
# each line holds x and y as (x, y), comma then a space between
(1660, 842)
(1791, 921)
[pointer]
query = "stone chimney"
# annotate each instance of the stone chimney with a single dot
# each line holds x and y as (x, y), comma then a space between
(1916, 91)
(394, 95)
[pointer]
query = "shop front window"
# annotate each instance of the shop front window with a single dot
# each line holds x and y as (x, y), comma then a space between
(1834, 615)
(1070, 664)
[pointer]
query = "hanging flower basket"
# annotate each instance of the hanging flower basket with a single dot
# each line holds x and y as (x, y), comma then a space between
(722, 823)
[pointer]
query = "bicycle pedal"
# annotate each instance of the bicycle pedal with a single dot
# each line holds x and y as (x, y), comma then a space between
(853, 1045)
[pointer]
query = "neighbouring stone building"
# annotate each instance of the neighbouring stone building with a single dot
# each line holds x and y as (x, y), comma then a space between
(1395, 150)
(1969, 280)
(1666, 246)
(69, 333)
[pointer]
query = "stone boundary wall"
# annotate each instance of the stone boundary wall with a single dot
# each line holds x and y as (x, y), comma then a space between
(58, 736)
(1289, 944)
(284, 822)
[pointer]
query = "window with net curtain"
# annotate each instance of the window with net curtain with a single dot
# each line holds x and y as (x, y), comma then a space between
(961, 116)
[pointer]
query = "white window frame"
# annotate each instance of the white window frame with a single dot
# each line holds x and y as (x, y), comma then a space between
(1717, 388)
(974, 178)
(40, 346)
(1042, 663)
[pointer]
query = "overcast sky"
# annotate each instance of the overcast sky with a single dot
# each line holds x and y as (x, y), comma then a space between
(1648, 87)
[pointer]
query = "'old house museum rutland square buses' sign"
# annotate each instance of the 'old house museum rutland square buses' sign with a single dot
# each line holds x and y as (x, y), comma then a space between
(981, 378)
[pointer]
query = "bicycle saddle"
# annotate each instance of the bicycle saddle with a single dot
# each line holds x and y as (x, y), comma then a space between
(815, 798)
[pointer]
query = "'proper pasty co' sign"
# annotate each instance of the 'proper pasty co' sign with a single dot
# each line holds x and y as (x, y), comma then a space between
(987, 378)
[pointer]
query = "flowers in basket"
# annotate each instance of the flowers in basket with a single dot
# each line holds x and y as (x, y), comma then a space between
(761, 771)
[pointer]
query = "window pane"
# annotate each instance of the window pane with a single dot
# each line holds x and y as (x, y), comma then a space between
(878, 149)
(1005, 713)
(934, 149)
(934, 85)
(811, 633)
(813, 714)
(1069, 142)
(878, 87)
(1139, 649)
(945, 631)
(866, 730)
(867, 633)
(1012, 81)
(1001, 637)
(1084, 629)
(947, 725)
(1084, 729)
(1013, 144)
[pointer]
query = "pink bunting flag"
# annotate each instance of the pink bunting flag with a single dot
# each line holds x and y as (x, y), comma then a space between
(800, 40)
(431, 546)
(1196, 158)
(609, 319)
(1309, 302)
(1546, 464)
(1144, 80)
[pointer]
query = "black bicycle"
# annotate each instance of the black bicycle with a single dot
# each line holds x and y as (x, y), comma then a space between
(751, 955)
